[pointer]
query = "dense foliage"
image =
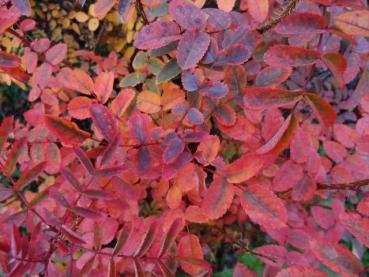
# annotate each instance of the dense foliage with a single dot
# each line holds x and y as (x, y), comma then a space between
(185, 138)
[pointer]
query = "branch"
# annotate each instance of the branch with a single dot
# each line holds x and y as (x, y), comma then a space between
(344, 186)
(141, 12)
(287, 11)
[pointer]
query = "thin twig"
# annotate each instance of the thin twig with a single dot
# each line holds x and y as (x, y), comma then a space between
(287, 11)
(344, 186)
(141, 12)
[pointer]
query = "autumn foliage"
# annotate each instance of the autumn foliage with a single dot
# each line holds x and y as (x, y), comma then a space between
(240, 123)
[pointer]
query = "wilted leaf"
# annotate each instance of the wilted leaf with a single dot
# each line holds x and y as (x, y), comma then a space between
(66, 131)
(157, 34)
(301, 23)
(336, 257)
(218, 198)
(264, 207)
(285, 55)
(192, 48)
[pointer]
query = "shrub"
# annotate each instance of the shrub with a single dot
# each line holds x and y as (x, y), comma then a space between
(237, 132)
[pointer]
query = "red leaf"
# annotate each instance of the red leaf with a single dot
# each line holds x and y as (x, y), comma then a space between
(287, 176)
(66, 131)
(258, 9)
(79, 107)
(285, 55)
(323, 216)
(157, 34)
(338, 65)
(192, 48)
(300, 146)
(76, 79)
(299, 271)
(56, 54)
(264, 207)
(102, 7)
(272, 76)
(71, 235)
(5, 129)
(242, 271)
(218, 198)
(8, 61)
(138, 127)
(85, 212)
(245, 167)
(121, 102)
(363, 206)
(187, 15)
(14, 154)
(29, 175)
(189, 246)
(357, 225)
(110, 150)
(69, 176)
(263, 97)
(84, 160)
(301, 24)
(336, 257)
(281, 139)
(104, 86)
(324, 111)
(354, 23)
(97, 194)
(170, 236)
(273, 255)
(109, 171)
(304, 190)
(104, 121)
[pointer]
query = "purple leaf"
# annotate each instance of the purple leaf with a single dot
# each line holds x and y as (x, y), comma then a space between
(187, 15)
(235, 54)
(192, 48)
(157, 34)
(215, 90)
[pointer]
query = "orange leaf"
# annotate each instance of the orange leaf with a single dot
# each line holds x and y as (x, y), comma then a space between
(66, 131)
(102, 7)
(355, 23)
(121, 102)
(245, 167)
(226, 5)
(148, 102)
(258, 9)
(79, 107)
(77, 80)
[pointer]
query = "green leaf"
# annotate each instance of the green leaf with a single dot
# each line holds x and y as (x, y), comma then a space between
(169, 71)
(253, 263)
(132, 80)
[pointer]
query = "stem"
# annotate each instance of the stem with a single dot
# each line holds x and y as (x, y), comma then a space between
(344, 186)
(25, 41)
(287, 11)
